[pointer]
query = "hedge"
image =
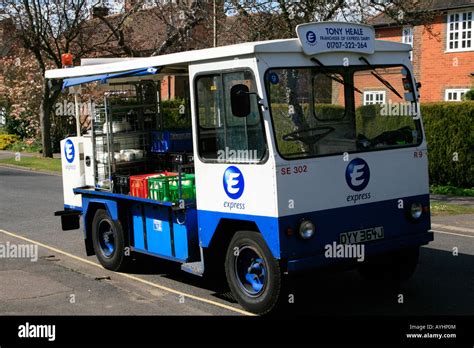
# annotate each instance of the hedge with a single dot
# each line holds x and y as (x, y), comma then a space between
(449, 129)
(172, 119)
(7, 140)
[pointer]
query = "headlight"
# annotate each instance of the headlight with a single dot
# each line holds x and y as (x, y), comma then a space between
(415, 210)
(307, 229)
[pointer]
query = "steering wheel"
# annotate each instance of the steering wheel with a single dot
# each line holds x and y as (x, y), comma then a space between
(299, 135)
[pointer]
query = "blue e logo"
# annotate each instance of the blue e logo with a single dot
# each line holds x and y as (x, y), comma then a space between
(357, 174)
(311, 37)
(69, 151)
(233, 181)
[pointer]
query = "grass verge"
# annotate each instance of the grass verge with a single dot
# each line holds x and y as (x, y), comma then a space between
(35, 163)
(451, 190)
(439, 208)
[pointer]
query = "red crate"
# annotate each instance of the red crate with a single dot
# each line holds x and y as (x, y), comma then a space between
(139, 183)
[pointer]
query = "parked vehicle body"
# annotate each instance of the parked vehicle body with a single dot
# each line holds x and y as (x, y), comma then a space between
(289, 164)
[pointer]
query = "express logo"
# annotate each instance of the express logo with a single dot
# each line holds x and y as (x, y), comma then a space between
(311, 37)
(69, 151)
(357, 174)
(233, 182)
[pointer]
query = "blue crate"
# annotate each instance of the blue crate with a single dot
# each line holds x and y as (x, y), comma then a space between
(171, 141)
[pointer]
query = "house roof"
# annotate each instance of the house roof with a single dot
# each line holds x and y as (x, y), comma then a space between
(183, 59)
(383, 19)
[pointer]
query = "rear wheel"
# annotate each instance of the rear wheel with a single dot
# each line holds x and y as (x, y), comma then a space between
(397, 266)
(108, 240)
(253, 274)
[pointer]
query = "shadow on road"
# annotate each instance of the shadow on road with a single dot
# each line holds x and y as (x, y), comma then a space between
(442, 285)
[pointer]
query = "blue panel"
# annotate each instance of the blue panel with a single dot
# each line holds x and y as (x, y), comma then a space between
(329, 224)
(332, 222)
(180, 241)
(382, 246)
(138, 228)
(185, 235)
(268, 226)
(109, 204)
(158, 230)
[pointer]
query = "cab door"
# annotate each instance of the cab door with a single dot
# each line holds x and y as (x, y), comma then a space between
(234, 176)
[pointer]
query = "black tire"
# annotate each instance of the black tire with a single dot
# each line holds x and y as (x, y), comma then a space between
(248, 243)
(117, 260)
(394, 267)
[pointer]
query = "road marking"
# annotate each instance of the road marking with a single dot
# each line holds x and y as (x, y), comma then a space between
(453, 228)
(454, 234)
(129, 276)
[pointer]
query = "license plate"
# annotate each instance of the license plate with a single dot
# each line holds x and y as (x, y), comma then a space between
(361, 236)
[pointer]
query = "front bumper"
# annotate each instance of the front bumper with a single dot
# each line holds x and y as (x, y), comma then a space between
(320, 260)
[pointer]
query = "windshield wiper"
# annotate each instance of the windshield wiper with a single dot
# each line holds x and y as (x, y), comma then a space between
(380, 77)
(333, 77)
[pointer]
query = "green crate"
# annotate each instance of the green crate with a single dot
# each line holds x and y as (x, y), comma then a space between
(166, 188)
(159, 188)
(188, 188)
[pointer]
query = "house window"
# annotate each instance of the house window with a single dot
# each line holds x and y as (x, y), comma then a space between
(407, 38)
(374, 97)
(460, 31)
(455, 94)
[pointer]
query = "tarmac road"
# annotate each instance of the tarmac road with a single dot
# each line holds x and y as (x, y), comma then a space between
(65, 281)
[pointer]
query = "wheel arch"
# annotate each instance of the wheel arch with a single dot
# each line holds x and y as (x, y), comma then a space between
(216, 230)
(90, 207)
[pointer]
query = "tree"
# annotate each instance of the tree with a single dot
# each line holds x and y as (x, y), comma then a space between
(169, 27)
(263, 19)
(23, 85)
(47, 29)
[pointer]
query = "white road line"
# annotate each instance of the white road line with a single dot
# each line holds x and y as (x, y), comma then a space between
(453, 228)
(454, 234)
(129, 276)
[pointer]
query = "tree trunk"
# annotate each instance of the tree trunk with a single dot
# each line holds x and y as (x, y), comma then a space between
(45, 121)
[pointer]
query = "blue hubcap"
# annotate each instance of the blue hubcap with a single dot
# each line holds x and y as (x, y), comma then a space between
(106, 238)
(250, 271)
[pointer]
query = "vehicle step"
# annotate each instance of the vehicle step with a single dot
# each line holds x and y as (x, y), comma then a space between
(196, 268)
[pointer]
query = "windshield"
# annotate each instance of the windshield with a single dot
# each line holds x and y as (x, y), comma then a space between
(319, 111)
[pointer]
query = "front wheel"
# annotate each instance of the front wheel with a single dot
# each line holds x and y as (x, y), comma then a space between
(253, 274)
(394, 267)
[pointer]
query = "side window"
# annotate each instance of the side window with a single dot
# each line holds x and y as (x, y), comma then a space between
(223, 137)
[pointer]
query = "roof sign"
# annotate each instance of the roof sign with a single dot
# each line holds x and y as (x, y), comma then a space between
(336, 37)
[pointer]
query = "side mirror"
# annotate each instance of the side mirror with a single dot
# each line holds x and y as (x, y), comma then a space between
(240, 100)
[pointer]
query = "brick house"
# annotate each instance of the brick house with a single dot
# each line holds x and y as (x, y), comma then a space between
(443, 52)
